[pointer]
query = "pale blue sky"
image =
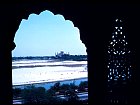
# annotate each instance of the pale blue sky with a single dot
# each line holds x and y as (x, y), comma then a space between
(45, 34)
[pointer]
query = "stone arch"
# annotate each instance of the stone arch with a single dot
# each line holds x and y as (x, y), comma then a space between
(59, 8)
(9, 27)
(56, 14)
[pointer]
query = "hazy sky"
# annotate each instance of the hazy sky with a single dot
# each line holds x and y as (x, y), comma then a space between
(45, 34)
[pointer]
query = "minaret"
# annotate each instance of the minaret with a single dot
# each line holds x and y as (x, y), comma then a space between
(119, 62)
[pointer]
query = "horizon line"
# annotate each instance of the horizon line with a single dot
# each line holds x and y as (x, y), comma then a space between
(45, 55)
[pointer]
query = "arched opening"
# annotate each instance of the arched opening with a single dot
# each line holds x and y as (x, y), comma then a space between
(49, 50)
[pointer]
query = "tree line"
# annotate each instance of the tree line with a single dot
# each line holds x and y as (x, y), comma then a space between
(39, 95)
(64, 57)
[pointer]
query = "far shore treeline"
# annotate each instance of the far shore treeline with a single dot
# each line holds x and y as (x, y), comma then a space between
(64, 57)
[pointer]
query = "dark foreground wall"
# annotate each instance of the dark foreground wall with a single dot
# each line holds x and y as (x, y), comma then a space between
(94, 21)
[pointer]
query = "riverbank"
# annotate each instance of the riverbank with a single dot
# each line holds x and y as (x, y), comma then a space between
(59, 71)
(43, 82)
(47, 85)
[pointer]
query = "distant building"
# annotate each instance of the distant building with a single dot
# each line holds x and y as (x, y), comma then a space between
(61, 54)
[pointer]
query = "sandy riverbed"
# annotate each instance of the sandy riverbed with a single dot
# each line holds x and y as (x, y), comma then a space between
(31, 71)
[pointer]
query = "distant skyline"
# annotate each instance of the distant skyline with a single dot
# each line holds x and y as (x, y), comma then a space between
(45, 34)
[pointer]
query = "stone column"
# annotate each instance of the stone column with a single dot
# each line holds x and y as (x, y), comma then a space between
(6, 72)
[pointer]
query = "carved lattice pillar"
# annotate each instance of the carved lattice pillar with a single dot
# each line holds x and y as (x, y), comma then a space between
(119, 65)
